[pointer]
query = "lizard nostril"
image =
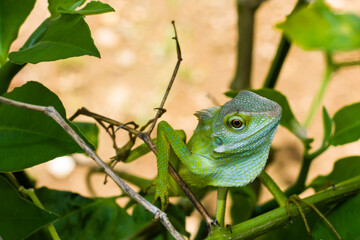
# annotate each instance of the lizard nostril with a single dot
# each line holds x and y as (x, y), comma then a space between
(218, 141)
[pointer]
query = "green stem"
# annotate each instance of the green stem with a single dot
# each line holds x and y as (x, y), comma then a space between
(299, 185)
(246, 17)
(279, 217)
(31, 193)
(274, 189)
(320, 94)
(221, 205)
(277, 63)
(347, 64)
(281, 53)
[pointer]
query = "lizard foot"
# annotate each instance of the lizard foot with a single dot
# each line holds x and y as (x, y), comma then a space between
(160, 190)
(297, 201)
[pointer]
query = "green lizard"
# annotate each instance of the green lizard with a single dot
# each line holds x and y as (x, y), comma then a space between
(229, 147)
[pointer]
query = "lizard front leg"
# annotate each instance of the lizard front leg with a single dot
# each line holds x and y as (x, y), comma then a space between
(167, 138)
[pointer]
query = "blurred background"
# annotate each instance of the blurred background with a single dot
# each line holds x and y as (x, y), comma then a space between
(138, 56)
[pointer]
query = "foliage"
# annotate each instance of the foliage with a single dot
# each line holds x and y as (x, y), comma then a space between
(30, 138)
(317, 27)
(25, 144)
(18, 211)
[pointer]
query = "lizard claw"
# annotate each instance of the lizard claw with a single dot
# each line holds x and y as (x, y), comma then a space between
(159, 188)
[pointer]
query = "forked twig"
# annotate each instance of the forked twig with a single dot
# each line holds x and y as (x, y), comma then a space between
(145, 136)
(86, 112)
(51, 112)
(147, 139)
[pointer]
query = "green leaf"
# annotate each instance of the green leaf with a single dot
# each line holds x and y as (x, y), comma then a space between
(202, 231)
(93, 7)
(347, 125)
(318, 27)
(86, 218)
(288, 119)
(12, 16)
(177, 218)
(327, 126)
(344, 218)
(90, 131)
(294, 228)
(243, 203)
(344, 169)
(19, 217)
(66, 36)
(55, 5)
(27, 137)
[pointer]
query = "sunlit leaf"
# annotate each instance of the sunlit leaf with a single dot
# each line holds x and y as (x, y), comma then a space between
(12, 16)
(344, 169)
(66, 36)
(55, 5)
(318, 27)
(347, 125)
(93, 7)
(327, 126)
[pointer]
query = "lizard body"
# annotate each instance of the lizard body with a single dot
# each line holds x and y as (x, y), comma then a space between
(229, 146)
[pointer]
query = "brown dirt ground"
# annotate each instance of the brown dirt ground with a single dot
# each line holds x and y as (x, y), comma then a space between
(137, 60)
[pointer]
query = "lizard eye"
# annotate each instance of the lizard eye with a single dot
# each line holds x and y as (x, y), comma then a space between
(236, 123)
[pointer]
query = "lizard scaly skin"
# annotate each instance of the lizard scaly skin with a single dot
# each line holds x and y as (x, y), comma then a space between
(229, 147)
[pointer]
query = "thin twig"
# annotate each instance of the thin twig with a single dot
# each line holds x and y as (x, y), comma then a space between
(145, 136)
(297, 201)
(179, 59)
(86, 112)
(302, 214)
(51, 112)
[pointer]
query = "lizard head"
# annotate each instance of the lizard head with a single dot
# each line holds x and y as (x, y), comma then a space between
(245, 126)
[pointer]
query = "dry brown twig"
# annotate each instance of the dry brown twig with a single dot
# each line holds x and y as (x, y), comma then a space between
(145, 136)
(51, 112)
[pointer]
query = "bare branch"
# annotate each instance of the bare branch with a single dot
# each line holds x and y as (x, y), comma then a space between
(145, 136)
(86, 112)
(161, 109)
(51, 112)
